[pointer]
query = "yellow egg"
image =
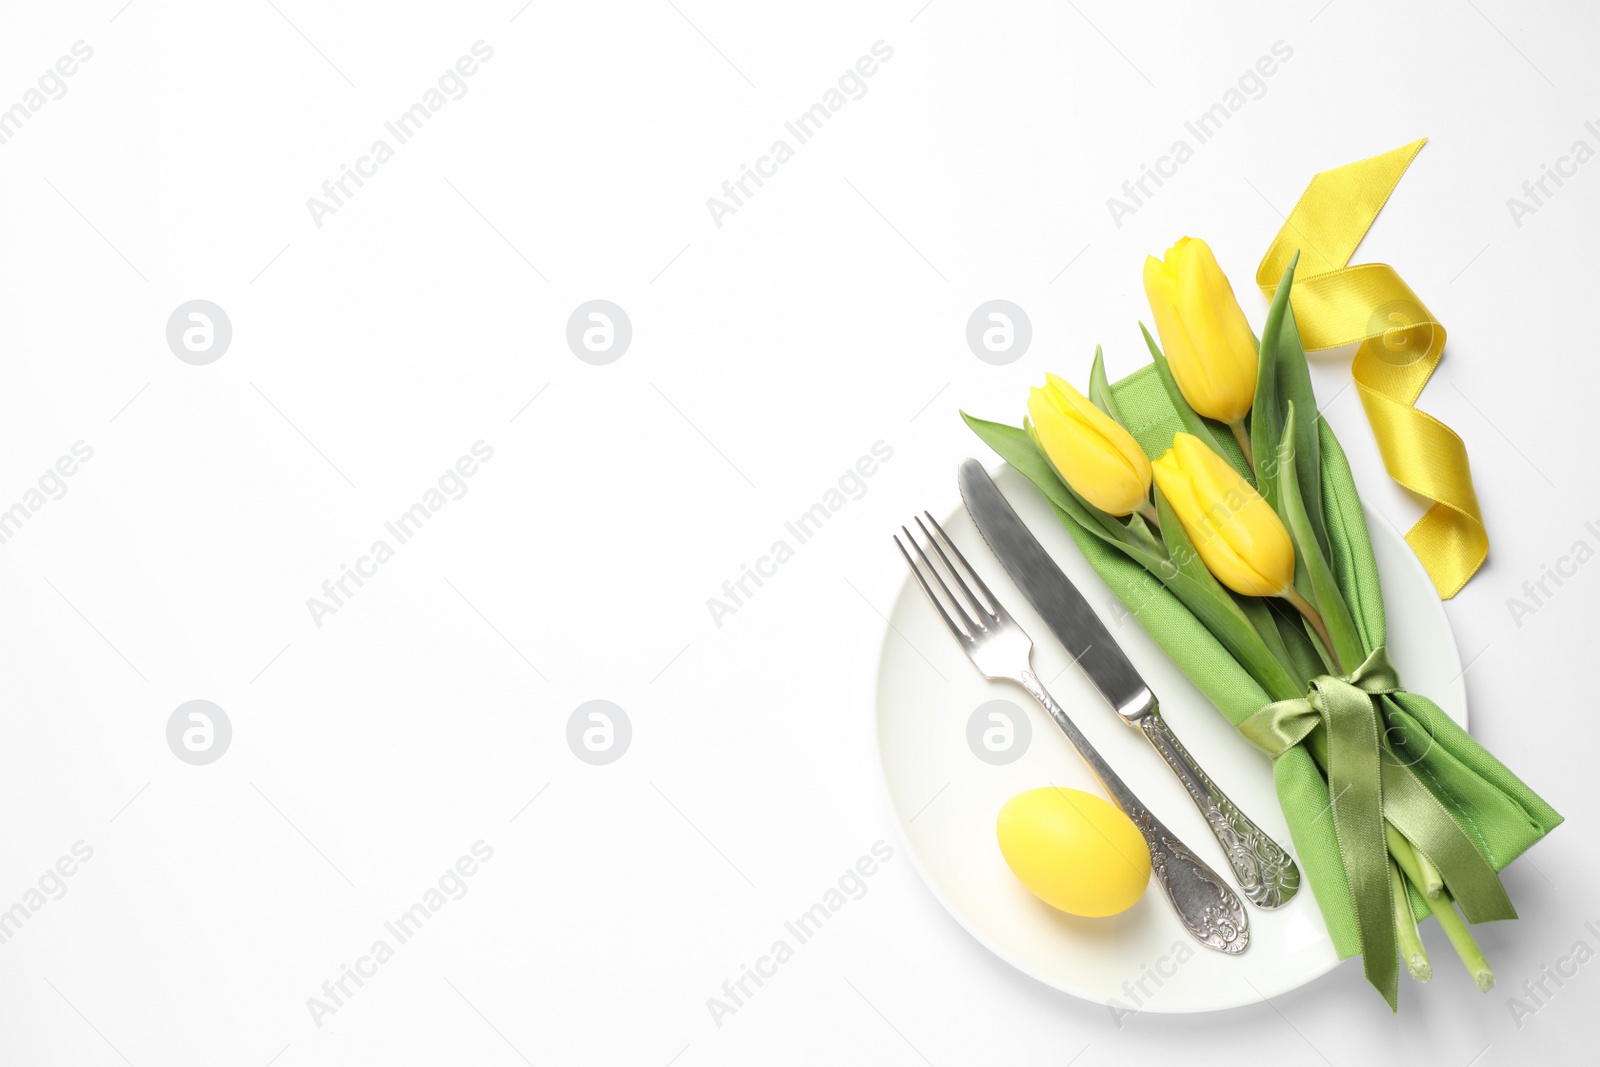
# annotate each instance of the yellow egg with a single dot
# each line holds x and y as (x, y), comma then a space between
(1074, 851)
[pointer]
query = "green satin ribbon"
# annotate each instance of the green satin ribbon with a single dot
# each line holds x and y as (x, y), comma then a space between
(1369, 783)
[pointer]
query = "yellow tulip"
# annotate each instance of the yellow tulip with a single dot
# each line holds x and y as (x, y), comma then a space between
(1091, 452)
(1206, 337)
(1239, 537)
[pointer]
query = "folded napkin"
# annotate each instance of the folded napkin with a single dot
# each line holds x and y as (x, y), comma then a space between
(1500, 814)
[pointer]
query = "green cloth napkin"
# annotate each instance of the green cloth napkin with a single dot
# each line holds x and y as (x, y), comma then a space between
(1499, 812)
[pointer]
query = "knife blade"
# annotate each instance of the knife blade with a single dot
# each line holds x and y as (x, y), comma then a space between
(1053, 596)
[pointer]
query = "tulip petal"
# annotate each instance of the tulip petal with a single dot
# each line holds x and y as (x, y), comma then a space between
(1160, 289)
(1091, 452)
(1219, 557)
(1107, 428)
(1239, 537)
(1233, 329)
(1209, 347)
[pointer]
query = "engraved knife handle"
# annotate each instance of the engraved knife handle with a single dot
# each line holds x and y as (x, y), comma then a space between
(1208, 908)
(1265, 872)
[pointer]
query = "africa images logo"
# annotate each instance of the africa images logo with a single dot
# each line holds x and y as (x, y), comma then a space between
(451, 85)
(805, 126)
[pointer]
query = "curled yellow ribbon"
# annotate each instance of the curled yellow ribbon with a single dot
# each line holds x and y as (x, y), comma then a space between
(1336, 304)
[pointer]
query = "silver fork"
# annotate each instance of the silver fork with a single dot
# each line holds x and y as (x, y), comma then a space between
(1208, 908)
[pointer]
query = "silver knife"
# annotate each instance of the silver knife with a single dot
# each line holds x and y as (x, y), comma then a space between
(1266, 874)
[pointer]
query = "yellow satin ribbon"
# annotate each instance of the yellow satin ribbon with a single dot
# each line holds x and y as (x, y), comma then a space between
(1336, 304)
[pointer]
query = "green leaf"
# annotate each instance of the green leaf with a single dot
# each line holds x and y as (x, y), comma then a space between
(1294, 385)
(1100, 389)
(1283, 363)
(1303, 586)
(1142, 531)
(1192, 422)
(1260, 614)
(1306, 657)
(1324, 586)
(1266, 413)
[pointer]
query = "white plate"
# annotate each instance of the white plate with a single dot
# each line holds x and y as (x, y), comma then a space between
(946, 798)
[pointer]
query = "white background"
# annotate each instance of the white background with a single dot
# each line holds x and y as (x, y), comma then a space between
(768, 354)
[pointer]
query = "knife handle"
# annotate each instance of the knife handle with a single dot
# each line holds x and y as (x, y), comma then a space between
(1266, 874)
(1211, 911)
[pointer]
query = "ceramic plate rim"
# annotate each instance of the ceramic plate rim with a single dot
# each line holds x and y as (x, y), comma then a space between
(1082, 992)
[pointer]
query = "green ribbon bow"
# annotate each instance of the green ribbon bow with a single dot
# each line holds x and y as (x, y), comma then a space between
(1369, 783)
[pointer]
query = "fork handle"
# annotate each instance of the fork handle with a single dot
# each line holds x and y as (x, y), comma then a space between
(1262, 868)
(1208, 908)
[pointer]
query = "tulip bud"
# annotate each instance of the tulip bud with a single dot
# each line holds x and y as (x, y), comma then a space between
(1205, 335)
(1239, 537)
(1092, 453)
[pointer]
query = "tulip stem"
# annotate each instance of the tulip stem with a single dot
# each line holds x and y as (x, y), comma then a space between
(1148, 510)
(1240, 435)
(1405, 923)
(1432, 883)
(1303, 606)
(1444, 909)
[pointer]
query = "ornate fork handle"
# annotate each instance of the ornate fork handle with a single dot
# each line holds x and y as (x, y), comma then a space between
(1210, 910)
(1265, 872)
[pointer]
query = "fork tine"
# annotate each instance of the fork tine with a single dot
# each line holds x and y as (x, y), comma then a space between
(961, 581)
(974, 626)
(998, 611)
(926, 588)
